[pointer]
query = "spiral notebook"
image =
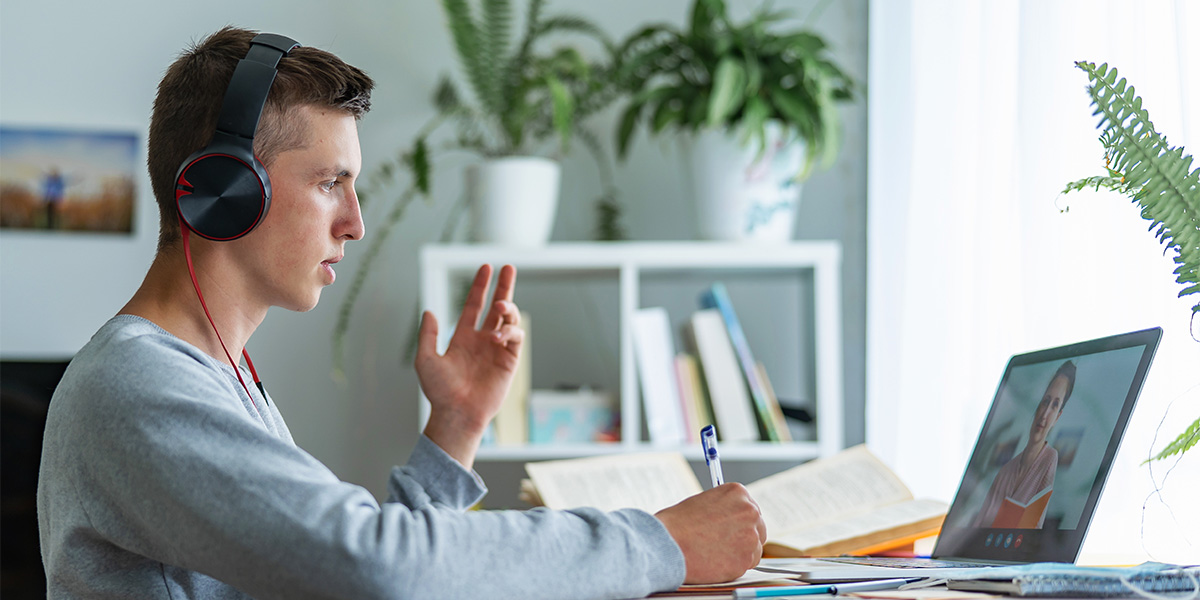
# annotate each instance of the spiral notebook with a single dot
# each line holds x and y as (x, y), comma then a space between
(1051, 580)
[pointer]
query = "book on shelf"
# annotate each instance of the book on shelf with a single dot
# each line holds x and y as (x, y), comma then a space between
(781, 426)
(846, 503)
(655, 353)
(716, 296)
(510, 426)
(686, 401)
(1015, 514)
(732, 412)
(693, 394)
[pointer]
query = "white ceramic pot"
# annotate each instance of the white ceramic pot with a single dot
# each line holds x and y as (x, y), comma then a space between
(743, 194)
(513, 200)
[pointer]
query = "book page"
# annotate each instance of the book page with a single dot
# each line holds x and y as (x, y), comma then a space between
(880, 519)
(1034, 499)
(826, 490)
(649, 481)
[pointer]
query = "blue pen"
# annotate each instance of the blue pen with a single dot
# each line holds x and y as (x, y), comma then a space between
(832, 589)
(708, 441)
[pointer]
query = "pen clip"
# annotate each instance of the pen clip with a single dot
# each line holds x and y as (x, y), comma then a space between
(708, 442)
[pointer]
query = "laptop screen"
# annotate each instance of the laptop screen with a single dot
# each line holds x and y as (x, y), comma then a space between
(1045, 450)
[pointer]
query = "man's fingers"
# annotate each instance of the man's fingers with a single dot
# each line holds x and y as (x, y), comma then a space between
(511, 337)
(473, 307)
(427, 335)
(505, 282)
(499, 314)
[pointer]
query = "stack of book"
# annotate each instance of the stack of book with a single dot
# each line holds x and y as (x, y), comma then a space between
(715, 380)
(712, 378)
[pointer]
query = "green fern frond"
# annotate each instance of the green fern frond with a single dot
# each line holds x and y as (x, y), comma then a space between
(1156, 175)
(1186, 440)
(468, 42)
(571, 23)
(533, 17)
(1096, 182)
(533, 24)
(496, 29)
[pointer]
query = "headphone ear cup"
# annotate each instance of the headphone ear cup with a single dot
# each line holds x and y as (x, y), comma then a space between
(222, 196)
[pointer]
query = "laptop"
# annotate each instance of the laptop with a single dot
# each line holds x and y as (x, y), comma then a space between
(1039, 464)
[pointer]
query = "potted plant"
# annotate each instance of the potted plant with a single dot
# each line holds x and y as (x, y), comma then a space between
(759, 108)
(1139, 163)
(524, 98)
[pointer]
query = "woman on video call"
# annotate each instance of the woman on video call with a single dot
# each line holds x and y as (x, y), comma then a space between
(1033, 469)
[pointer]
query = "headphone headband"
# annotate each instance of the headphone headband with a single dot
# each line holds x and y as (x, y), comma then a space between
(251, 83)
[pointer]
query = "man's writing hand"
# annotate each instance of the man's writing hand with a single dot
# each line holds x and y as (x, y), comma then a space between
(720, 531)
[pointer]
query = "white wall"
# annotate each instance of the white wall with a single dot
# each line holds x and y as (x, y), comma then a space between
(96, 65)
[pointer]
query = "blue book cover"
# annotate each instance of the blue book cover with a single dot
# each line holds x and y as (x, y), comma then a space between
(717, 297)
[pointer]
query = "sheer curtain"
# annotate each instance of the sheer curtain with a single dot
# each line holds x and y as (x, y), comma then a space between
(978, 118)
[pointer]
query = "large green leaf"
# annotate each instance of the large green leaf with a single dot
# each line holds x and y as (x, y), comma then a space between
(754, 121)
(629, 119)
(729, 84)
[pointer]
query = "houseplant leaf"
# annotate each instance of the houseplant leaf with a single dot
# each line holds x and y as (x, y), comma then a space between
(1186, 441)
(729, 81)
(1144, 166)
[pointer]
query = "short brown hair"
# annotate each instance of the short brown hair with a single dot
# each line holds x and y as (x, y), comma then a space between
(1066, 370)
(189, 101)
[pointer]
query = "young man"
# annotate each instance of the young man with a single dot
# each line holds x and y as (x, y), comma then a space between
(164, 475)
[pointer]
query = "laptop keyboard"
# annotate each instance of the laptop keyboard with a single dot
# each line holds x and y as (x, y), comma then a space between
(908, 563)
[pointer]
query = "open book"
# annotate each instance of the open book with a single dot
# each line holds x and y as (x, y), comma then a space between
(1014, 514)
(844, 504)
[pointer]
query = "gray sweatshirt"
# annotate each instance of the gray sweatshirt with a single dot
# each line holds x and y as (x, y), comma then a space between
(160, 479)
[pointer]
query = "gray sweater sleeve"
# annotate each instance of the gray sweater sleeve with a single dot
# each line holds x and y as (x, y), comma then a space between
(160, 461)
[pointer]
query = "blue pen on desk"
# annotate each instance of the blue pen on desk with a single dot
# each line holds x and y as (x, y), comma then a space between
(708, 441)
(832, 589)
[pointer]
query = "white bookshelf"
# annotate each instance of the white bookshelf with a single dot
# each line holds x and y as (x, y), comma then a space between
(628, 263)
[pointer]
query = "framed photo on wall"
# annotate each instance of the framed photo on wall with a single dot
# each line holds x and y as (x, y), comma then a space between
(71, 180)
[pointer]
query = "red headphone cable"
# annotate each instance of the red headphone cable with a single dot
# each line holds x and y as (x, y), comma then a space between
(187, 253)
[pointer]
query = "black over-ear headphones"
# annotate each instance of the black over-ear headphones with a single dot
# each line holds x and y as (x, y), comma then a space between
(223, 191)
